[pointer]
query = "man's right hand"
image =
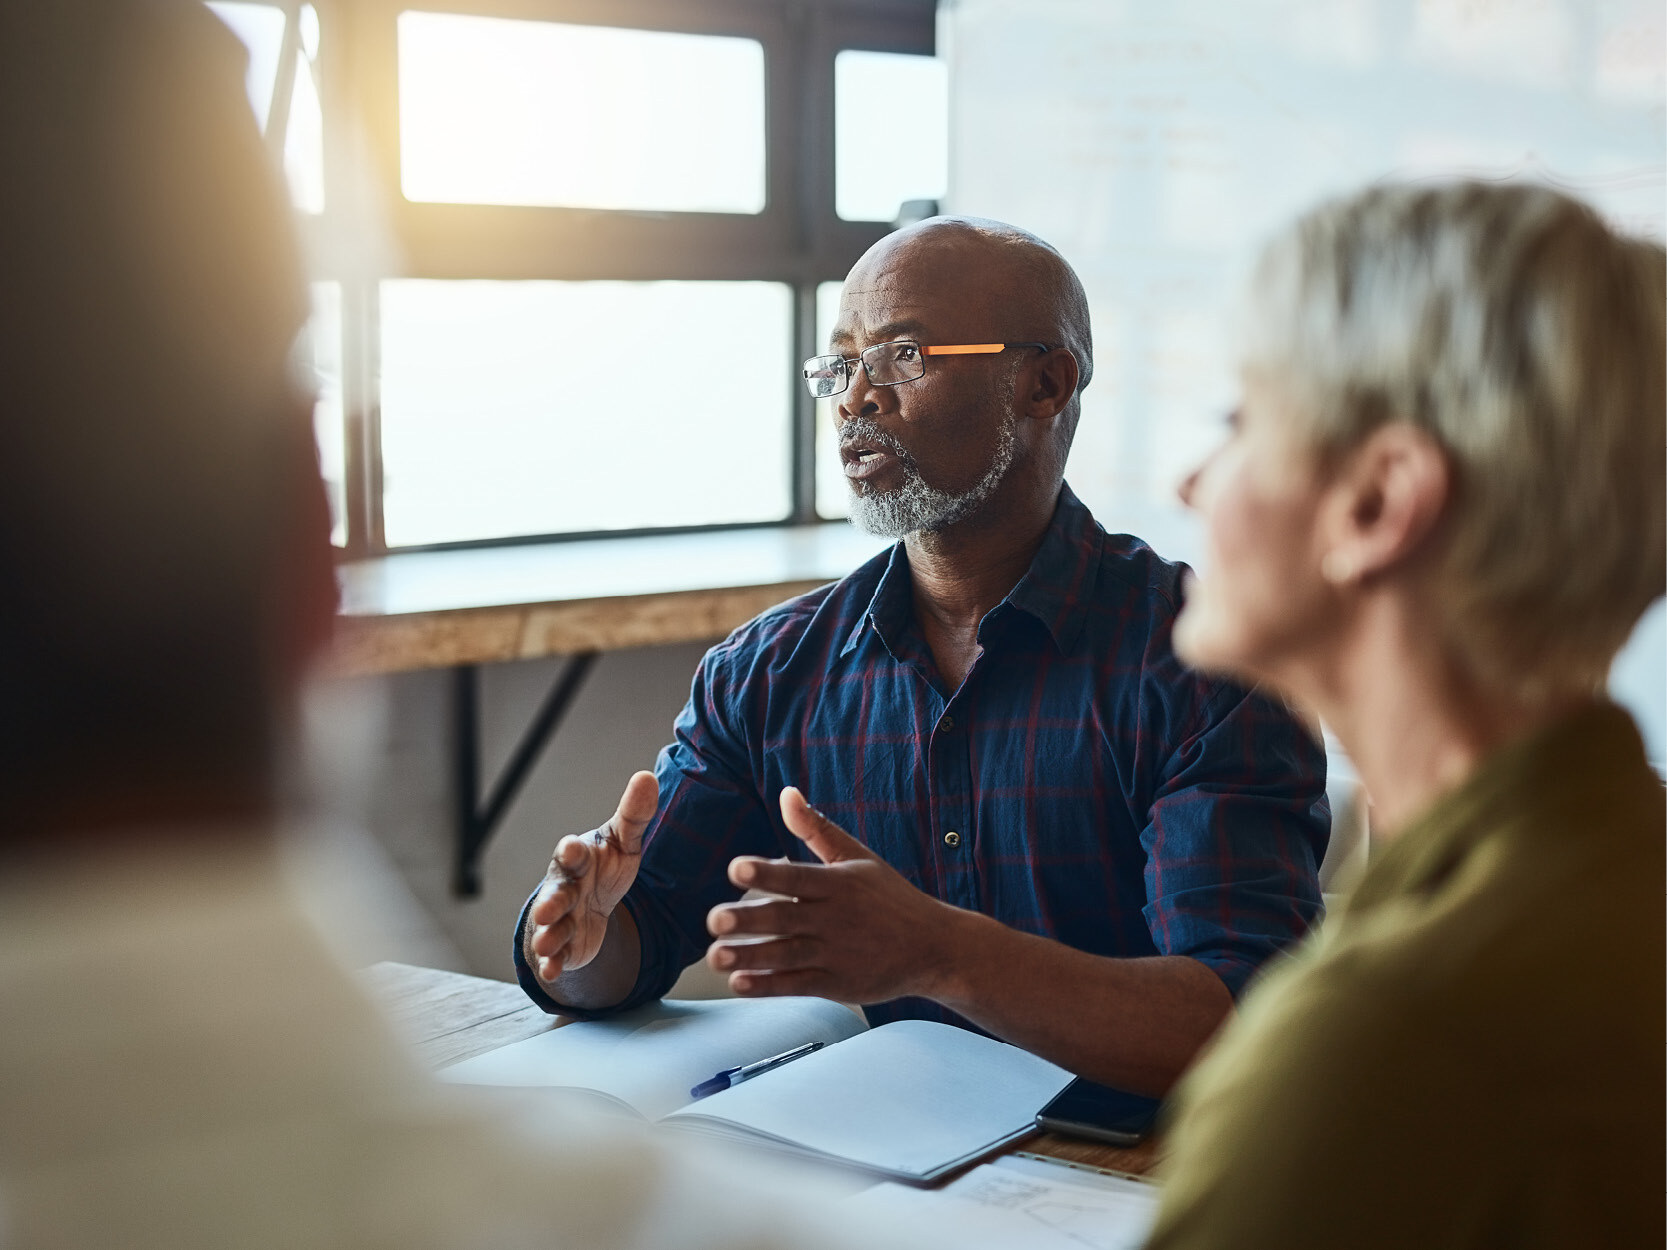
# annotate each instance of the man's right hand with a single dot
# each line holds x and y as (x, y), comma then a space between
(589, 873)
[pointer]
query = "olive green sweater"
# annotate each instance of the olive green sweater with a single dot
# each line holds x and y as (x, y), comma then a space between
(1471, 1053)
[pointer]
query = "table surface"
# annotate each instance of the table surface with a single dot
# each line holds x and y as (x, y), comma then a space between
(449, 1016)
(430, 609)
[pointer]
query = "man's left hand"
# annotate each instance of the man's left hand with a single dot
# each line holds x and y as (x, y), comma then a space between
(849, 928)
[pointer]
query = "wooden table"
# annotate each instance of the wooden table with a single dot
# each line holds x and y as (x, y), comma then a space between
(449, 1017)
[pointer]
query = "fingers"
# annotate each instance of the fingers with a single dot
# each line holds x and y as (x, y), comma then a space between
(780, 876)
(569, 866)
(636, 808)
(827, 841)
(777, 955)
(757, 916)
(548, 946)
(551, 968)
(548, 939)
(809, 981)
(574, 858)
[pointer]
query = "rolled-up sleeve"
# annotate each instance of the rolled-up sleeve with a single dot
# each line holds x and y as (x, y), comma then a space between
(1237, 827)
(709, 812)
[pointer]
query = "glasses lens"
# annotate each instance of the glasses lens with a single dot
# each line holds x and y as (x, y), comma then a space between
(825, 375)
(891, 363)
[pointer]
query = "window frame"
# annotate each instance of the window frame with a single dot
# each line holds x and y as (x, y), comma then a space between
(798, 239)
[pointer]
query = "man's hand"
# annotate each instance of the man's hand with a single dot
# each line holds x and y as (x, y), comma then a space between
(589, 873)
(850, 928)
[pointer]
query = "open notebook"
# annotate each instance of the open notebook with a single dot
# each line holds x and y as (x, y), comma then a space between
(910, 1100)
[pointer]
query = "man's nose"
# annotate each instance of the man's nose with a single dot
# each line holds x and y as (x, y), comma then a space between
(859, 399)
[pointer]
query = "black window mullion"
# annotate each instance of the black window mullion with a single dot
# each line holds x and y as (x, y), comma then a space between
(361, 493)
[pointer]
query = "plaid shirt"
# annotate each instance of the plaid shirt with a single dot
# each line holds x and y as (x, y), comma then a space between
(1081, 784)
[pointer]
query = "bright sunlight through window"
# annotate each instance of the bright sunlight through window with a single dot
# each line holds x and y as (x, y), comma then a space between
(539, 407)
(891, 132)
(494, 111)
(261, 28)
(322, 355)
(833, 492)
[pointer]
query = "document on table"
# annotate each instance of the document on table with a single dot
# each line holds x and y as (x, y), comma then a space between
(912, 1100)
(1015, 1203)
(648, 1061)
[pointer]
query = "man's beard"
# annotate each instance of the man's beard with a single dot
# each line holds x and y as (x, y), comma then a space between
(915, 507)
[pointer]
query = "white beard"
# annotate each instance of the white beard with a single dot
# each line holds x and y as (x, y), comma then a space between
(915, 507)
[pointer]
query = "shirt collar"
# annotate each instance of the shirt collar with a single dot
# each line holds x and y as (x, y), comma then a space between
(1059, 585)
(1056, 589)
(889, 607)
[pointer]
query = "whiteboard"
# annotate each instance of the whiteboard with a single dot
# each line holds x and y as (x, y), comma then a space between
(1157, 143)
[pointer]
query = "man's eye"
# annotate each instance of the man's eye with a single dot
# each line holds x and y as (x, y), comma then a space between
(907, 351)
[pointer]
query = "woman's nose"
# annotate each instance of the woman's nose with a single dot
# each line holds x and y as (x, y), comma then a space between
(1188, 489)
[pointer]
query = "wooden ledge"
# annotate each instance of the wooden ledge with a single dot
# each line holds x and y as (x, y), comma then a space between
(488, 635)
(440, 609)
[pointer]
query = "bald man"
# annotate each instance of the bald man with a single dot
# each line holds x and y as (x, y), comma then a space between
(1029, 818)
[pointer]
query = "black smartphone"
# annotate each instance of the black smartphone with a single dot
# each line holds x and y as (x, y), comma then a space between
(1084, 1109)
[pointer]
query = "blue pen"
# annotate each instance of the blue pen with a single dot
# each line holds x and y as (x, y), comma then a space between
(734, 1076)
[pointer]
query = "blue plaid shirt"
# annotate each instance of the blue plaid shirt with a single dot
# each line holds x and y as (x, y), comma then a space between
(1081, 784)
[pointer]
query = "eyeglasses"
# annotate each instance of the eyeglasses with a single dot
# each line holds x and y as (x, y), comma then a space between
(890, 364)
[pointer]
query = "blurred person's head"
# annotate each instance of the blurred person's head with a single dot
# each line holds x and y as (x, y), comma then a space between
(1453, 395)
(973, 431)
(163, 533)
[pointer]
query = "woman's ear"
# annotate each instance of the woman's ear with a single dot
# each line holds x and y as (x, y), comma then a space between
(1387, 496)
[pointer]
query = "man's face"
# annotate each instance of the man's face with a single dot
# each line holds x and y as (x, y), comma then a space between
(926, 453)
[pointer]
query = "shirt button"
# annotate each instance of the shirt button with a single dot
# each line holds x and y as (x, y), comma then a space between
(952, 838)
(947, 723)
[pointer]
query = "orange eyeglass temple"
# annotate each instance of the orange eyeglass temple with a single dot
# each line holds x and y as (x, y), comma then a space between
(966, 349)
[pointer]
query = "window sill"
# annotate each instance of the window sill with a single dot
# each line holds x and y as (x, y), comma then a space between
(438, 609)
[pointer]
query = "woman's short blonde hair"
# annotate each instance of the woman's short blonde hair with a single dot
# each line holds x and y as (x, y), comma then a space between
(1530, 339)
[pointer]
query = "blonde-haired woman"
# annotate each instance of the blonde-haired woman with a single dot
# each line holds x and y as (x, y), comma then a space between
(1437, 518)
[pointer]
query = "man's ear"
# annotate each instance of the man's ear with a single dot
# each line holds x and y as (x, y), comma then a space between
(1387, 496)
(1047, 385)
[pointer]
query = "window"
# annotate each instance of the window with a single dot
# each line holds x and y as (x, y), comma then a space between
(508, 112)
(891, 124)
(549, 407)
(285, 106)
(323, 344)
(831, 491)
(565, 271)
(304, 133)
(261, 28)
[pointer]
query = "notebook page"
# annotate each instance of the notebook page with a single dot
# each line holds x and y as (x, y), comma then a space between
(907, 1098)
(650, 1058)
(994, 1207)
